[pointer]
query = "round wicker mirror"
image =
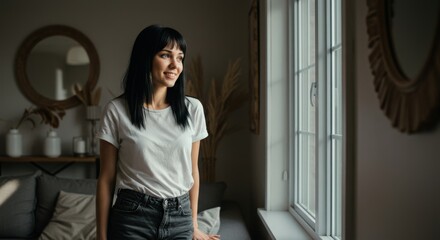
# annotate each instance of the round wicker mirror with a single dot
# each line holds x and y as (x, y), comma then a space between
(411, 103)
(48, 38)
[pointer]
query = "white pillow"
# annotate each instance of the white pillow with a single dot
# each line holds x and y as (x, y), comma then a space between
(209, 220)
(73, 218)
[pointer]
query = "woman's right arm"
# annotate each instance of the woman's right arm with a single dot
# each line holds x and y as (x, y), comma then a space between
(105, 188)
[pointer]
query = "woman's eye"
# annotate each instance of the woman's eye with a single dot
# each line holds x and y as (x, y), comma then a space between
(164, 55)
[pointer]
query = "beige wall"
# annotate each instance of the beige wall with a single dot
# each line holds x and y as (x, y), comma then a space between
(397, 182)
(217, 30)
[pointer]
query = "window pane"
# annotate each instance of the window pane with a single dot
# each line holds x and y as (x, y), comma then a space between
(337, 190)
(337, 24)
(306, 137)
(306, 33)
(305, 110)
(336, 131)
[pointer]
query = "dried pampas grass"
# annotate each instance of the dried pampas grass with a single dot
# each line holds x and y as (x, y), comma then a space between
(49, 115)
(86, 96)
(219, 101)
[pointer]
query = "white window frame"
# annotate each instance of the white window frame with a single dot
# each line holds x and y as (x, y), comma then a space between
(275, 76)
(323, 225)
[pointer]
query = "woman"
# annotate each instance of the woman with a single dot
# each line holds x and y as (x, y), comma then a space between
(150, 138)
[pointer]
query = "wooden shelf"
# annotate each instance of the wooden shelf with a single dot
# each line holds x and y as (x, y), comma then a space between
(44, 159)
(65, 160)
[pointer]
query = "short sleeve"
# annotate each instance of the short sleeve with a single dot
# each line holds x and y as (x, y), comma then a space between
(108, 129)
(199, 122)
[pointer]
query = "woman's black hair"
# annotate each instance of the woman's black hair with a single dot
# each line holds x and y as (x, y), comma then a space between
(137, 84)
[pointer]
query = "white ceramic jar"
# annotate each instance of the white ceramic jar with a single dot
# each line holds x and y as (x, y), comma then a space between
(52, 144)
(14, 145)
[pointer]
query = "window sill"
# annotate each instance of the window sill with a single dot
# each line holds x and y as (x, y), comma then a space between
(282, 225)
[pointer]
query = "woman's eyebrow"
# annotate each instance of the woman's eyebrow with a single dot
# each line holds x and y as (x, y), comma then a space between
(170, 51)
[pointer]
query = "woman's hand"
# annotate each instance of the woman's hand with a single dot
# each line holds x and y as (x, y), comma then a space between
(199, 235)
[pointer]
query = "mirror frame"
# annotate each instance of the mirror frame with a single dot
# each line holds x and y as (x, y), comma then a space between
(21, 62)
(411, 104)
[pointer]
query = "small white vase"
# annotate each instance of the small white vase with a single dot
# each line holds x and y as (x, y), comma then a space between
(52, 145)
(14, 145)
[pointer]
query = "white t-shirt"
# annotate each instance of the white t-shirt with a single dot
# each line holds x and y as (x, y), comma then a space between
(155, 160)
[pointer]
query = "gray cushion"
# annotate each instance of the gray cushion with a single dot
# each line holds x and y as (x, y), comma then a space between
(233, 226)
(74, 218)
(209, 220)
(210, 195)
(48, 188)
(17, 205)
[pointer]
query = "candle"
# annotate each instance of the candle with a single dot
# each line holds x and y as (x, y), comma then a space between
(60, 92)
(80, 146)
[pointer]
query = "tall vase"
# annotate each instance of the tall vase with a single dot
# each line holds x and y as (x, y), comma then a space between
(14, 145)
(93, 114)
(52, 144)
(207, 172)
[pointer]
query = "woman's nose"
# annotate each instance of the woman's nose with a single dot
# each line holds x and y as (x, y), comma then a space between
(173, 63)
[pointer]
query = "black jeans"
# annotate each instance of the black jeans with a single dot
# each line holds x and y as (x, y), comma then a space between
(138, 216)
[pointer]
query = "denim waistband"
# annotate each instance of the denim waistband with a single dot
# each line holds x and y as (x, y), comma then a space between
(173, 202)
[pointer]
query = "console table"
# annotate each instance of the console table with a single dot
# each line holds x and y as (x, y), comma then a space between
(65, 160)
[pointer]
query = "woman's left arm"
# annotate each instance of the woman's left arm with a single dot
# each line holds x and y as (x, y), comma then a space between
(194, 194)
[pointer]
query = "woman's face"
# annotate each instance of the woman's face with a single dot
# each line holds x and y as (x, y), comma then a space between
(167, 66)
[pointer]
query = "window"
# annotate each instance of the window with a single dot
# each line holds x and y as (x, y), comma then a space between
(316, 156)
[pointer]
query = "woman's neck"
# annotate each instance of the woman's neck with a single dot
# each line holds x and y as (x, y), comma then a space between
(158, 100)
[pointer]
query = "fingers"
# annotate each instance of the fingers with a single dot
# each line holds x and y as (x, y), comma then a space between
(206, 237)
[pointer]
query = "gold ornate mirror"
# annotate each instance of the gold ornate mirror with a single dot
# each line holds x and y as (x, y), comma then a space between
(50, 61)
(404, 38)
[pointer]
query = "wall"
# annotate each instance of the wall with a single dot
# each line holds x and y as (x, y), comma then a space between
(396, 185)
(216, 30)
